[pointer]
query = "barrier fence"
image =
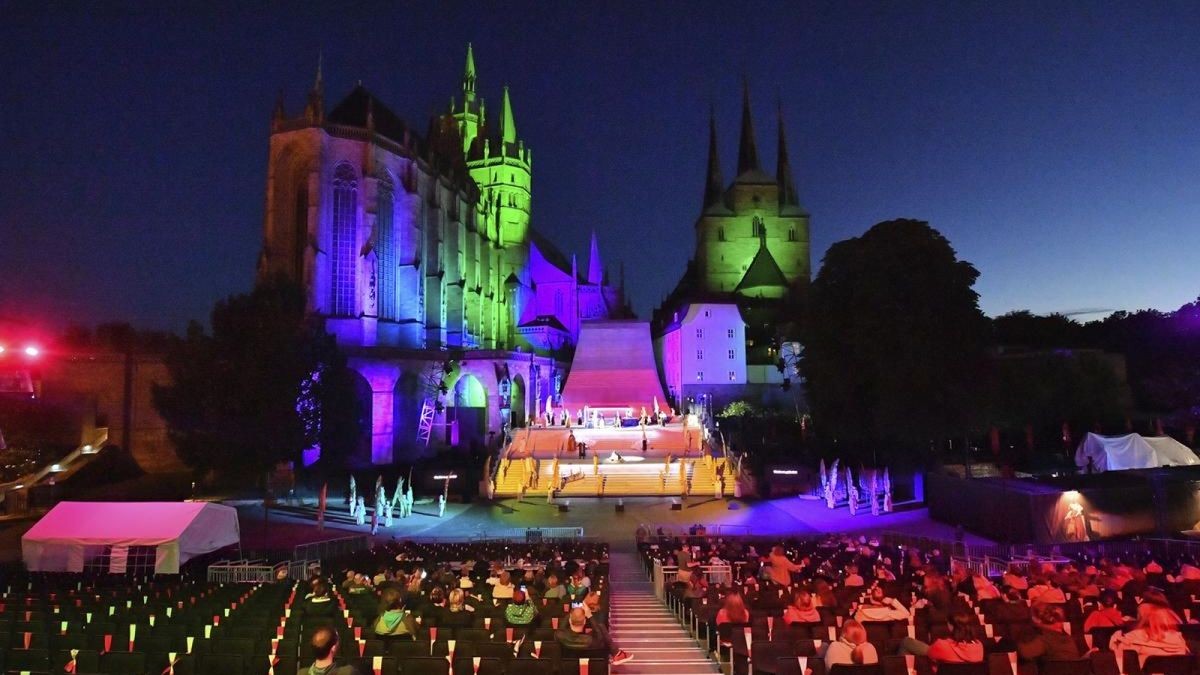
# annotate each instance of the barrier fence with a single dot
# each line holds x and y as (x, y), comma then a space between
(245, 571)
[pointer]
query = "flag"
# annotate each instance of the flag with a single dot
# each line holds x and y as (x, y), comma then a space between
(321, 506)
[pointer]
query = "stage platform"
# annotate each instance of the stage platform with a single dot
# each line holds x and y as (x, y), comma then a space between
(636, 476)
(551, 442)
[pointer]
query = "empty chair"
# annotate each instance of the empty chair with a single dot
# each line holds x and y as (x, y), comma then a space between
(127, 663)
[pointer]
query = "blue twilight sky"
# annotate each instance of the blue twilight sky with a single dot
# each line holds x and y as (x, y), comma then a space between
(1056, 144)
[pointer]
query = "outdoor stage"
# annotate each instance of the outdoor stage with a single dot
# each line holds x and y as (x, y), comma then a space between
(613, 463)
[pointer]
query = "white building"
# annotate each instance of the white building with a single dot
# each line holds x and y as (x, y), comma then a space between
(702, 350)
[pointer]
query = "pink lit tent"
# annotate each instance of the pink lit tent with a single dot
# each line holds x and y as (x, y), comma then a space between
(1132, 451)
(73, 532)
(613, 367)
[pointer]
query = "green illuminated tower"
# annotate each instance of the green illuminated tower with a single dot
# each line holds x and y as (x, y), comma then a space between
(752, 236)
(499, 163)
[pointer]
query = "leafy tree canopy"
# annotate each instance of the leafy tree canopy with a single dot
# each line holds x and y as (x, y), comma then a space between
(267, 383)
(895, 342)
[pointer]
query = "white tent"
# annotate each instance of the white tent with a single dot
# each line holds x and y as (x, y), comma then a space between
(1132, 451)
(75, 532)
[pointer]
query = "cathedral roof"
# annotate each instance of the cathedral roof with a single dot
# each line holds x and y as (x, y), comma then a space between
(354, 108)
(763, 271)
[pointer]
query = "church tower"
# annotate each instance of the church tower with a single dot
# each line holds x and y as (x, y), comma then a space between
(500, 165)
(752, 236)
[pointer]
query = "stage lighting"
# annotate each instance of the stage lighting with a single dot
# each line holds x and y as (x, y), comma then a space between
(1, 349)
(32, 351)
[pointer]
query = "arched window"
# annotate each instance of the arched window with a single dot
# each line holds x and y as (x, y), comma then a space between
(345, 207)
(300, 229)
(385, 250)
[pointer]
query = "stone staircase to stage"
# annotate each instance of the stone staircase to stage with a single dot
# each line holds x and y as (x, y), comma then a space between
(615, 480)
(641, 625)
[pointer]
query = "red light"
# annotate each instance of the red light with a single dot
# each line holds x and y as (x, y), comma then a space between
(32, 351)
(1, 349)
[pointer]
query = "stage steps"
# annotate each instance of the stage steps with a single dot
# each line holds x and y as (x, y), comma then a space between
(641, 625)
(615, 480)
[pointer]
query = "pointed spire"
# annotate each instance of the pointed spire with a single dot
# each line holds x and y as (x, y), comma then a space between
(315, 111)
(783, 169)
(595, 268)
(714, 184)
(279, 113)
(574, 268)
(747, 151)
(318, 82)
(508, 127)
(468, 81)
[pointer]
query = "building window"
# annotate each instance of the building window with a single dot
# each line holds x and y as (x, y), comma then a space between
(706, 312)
(345, 206)
(699, 354)
(699, 332)
(732, 376)
(699, 375)
(721, 233)
(385, 249)
(731, 354)
(731, 333)
(792, 234)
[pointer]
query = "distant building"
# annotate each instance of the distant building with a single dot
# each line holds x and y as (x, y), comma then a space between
(420, 253)
(752, 261)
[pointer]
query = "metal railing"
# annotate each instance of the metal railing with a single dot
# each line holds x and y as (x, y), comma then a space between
(665, 575)
(244, 571)
(331, 548)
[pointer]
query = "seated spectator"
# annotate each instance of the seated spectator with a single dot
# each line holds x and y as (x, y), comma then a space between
(851, 648)
(882, 573)
(554, 590)
(1013, 609)
(824, 595)
(1153, 567)
(1014, 579)
(1189, 572)
(357, 585)
(319, 602)
(1049, 641)
(578, 585)
(324, 646)
(574, 635)
(960, 647)
(1045, 590)
(801, 609)
(853, 578)
(733, 609)
(520, 612)
(456, 613)
(1106, 615)
(984, 588)
(464, 579)
(1155, 634)
(395, 620)
(503, 588)
(879, 607)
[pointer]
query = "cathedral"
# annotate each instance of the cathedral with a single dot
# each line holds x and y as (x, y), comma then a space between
(722, 331)
(419, 253)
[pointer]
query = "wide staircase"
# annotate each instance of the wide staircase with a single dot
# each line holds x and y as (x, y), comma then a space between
(641, 625)
(615, 480)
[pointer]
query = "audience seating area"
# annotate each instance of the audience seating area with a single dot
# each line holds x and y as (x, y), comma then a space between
(119, 625)
(931, 586)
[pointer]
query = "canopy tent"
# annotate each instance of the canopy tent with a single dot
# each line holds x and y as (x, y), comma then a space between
(613, 367)
(73, 533)
(1132, 451)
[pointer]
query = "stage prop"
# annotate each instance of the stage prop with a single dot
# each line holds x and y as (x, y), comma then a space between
(74, 533)
(613, 368)
(1132, 451)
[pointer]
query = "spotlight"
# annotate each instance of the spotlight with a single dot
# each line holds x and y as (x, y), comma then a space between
(1, 349)
(32, 351)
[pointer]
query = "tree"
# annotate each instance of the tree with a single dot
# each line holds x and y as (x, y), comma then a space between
(266, 384)
(895, 344)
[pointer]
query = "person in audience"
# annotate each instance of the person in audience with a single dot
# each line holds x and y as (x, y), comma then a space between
(394, 620)
(879, 607)
(823, 594)
(464, 579)
(503, 588)
(1188, 571)
(853, 578)
(802, 609)
(781, 567)
(456, 613)
(1013, 609)
(578, 585)
(319, 603)
(554, 590)
(960, 647)
(851, 648)
(574, 635)
(1045, 590)
(325, 646)
(1014, 579)
(1106, 614)
(733, 610)
(1155, 634)
(520, 612)
(984, 588)
(1049, 641)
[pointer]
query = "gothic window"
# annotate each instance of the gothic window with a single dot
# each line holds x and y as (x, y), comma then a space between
(300, 228)
(721, 233)
(345, 205)
(385, 249)
(792, 234)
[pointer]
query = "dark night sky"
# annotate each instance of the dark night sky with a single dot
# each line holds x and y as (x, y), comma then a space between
(1056, 144)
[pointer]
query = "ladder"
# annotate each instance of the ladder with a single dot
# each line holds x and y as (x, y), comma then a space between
(425, 425)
